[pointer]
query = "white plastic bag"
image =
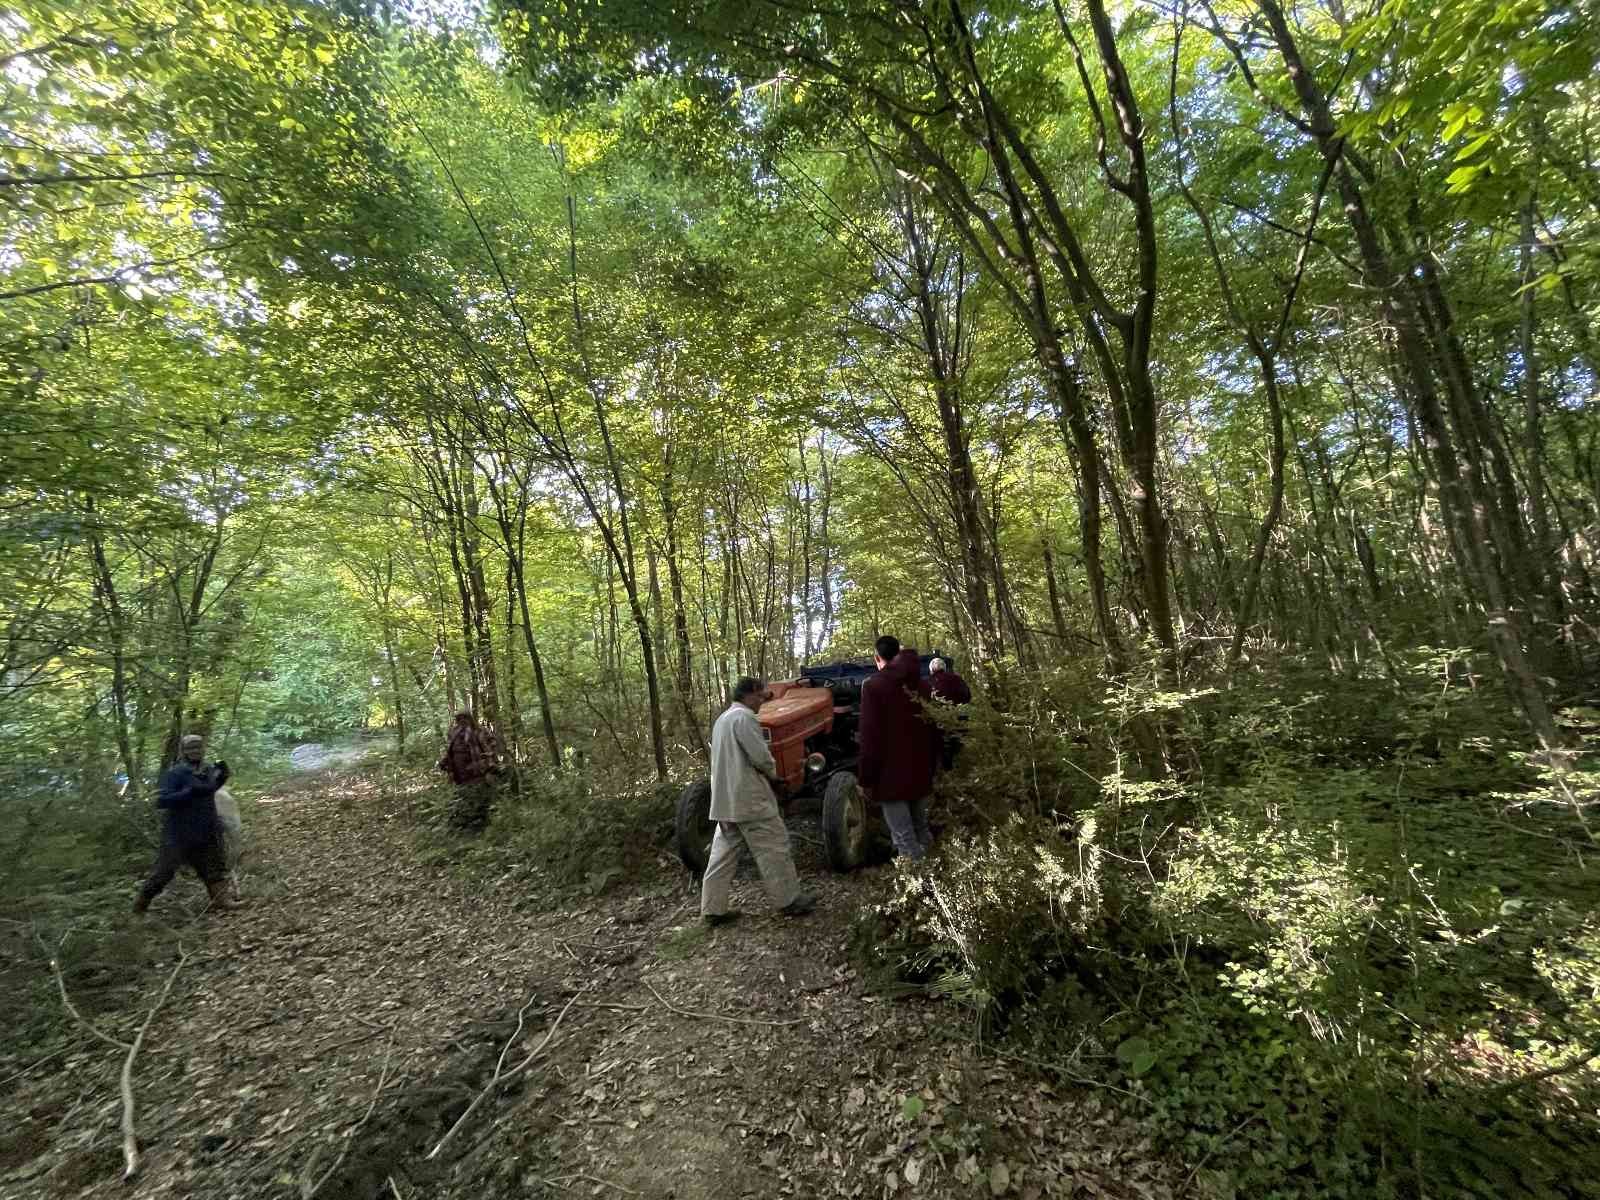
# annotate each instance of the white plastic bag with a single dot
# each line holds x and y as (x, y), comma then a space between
(232, 827)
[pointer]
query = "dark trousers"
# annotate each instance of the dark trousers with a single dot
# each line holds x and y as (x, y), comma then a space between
(948, 750)
(473, 802)
(205, 857)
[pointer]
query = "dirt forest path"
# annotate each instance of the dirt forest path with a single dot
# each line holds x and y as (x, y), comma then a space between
(325, 1038)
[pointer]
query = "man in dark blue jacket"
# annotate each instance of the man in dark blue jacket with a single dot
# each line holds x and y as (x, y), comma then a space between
(190, 834)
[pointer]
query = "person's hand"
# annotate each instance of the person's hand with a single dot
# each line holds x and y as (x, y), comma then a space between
(223, 774)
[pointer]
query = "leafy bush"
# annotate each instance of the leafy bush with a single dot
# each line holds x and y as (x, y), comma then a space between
(553, 835)
(1032, 746)
(998, 915)
(1328, 958)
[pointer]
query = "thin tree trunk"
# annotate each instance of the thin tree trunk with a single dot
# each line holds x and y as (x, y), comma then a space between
(110, 606)
(684, 662)
(1058, 616)
(805, 551)
(1468, 504)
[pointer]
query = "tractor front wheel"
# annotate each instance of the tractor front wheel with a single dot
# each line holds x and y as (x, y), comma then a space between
(844, 822)
(695, 828)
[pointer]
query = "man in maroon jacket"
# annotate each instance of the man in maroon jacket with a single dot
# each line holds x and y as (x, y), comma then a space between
(899, 746)
(948, 688)
(469, 758)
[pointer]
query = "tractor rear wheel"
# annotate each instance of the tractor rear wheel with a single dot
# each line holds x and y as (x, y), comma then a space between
(844, 822)
(695, 828)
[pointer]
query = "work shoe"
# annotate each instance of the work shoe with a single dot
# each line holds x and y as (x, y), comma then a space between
(218, 893)
(727, 918)
(141, 906)
(799, 906)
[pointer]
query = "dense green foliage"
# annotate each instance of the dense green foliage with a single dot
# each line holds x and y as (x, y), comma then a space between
(1216, 383)
(1310, 964)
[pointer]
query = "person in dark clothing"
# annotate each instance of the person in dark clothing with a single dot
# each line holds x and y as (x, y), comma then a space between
(469, 759)
(899, 746)
(190, 833)
(948, 688)
(946, 684)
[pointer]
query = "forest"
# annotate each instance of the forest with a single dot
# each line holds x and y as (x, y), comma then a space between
(1214, 383)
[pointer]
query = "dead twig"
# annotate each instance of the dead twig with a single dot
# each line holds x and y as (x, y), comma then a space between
(539, 1049)
(66, 1001)
(711, 1016)
(500, 1075)
(39, 1062)
(1067, 1073)
(616, 1007)
(130, 1140)
(319, 1052)
(309, 1189)
(558, 1179)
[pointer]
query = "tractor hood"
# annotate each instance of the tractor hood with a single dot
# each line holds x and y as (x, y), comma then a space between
(796, 705)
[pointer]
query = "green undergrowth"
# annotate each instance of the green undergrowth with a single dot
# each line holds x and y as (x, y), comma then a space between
(73, 857)
(1327, 956)
(552, 838)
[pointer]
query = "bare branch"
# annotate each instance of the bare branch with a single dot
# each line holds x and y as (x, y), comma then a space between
(711, 1016)
(309, 1189)
(500, 1074)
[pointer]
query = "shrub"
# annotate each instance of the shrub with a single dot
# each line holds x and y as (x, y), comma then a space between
(998, 914)
(554, 834)
(1032, 747)
(1326, 957)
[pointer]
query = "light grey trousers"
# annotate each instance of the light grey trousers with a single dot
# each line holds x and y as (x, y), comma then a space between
(768, 840)
(908, 826)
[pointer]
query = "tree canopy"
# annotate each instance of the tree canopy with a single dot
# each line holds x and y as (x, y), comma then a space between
(565, 360)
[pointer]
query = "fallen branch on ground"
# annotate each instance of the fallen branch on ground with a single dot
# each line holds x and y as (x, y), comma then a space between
(309, 1189)
(500, 1075)
(711, 1016)
(39, 1062)
(539, 1049)
(552, 1181)
(1066, 1073)
(130, 1140)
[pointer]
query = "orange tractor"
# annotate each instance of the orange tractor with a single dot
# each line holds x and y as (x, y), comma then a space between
(811, 724)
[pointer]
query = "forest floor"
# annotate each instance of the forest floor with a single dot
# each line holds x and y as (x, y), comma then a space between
(325, 1038)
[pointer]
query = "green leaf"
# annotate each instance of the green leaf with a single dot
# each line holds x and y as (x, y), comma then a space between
(1131, 1049)
(1473, 147)
(911, 1107)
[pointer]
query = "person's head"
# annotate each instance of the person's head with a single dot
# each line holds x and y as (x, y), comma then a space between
(936, 666)
(464, 717)
(191, 746)
(888, 649)
(751, 692)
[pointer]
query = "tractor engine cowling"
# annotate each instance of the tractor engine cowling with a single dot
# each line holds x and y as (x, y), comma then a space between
(788, 720)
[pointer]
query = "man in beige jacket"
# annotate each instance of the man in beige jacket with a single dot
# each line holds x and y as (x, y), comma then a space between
(746, 812)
